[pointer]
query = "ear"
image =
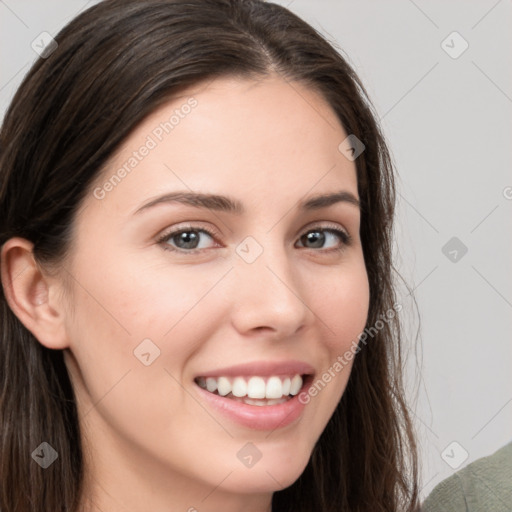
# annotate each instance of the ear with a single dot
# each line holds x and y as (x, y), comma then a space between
(32, 296)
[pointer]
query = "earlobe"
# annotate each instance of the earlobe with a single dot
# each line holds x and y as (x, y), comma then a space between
(27, 291)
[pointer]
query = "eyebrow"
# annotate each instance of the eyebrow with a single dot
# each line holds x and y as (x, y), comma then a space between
(230, 205)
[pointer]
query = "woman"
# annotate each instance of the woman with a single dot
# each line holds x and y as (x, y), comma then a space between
(197, 306)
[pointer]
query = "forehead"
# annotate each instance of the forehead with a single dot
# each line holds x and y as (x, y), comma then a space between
(255, 136)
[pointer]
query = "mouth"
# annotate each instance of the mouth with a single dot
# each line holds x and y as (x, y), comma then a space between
(259, 395)
(255, 390)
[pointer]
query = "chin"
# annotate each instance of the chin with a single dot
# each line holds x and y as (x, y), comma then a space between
(261, 481)
(276, 470)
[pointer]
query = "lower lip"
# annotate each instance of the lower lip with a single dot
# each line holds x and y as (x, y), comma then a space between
(256, 417)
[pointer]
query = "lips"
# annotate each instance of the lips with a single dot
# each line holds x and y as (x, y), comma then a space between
(262, 369)
(259, 395)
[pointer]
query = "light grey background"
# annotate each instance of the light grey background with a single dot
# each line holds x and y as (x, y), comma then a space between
(448, 122)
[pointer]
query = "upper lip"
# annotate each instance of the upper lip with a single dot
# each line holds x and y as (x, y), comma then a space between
(262, 369)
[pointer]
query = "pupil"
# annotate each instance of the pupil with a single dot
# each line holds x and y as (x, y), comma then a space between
(317, 238)
(189, 240)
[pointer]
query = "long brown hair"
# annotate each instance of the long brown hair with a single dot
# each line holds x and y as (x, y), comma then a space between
(116, 63)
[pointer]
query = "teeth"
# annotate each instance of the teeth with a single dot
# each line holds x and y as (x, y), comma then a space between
(274, 388)
(295, 384)
(252, 401)
(211, 384)
(223, 386)
(286, 386)
(239, 387)
(256, 388)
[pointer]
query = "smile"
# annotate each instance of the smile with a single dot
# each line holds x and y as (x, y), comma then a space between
(255, 390)
(258, 395)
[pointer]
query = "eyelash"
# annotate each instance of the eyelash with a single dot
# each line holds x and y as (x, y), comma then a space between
(345, 238)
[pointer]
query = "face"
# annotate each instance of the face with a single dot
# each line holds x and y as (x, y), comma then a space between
(253, 296)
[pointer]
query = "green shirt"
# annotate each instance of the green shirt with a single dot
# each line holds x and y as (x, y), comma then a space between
(485, 485)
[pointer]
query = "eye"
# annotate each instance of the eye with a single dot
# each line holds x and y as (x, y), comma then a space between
(317, 238)
(188, 239)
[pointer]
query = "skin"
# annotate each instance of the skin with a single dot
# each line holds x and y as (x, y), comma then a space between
(150, 442)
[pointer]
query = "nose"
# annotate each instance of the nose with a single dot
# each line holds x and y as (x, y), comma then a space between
(268, 297)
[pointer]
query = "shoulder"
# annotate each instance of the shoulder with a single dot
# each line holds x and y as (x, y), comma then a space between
(483, 485)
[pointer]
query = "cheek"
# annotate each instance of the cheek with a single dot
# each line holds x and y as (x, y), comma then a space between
(340, 302)
(120, 309)
(343, 303)
(171, 319)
